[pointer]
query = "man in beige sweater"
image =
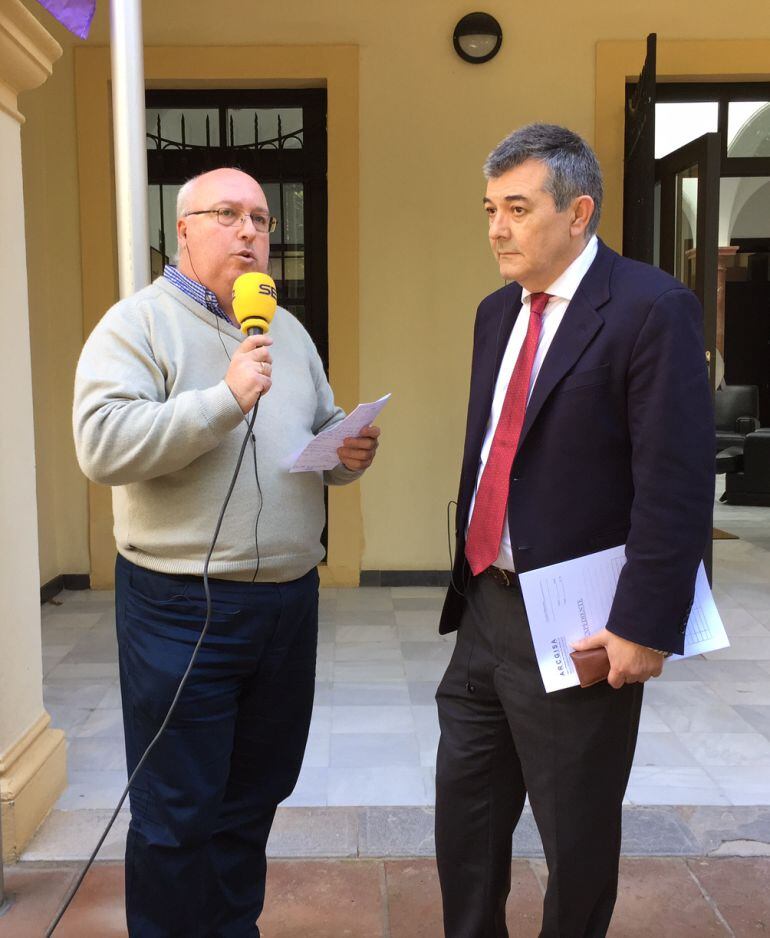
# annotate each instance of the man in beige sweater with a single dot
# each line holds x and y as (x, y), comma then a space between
(163, 391)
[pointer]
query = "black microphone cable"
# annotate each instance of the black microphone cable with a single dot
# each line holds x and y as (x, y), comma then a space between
(76, 885)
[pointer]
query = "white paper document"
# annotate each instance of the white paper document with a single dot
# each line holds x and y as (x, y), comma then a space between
(572, 600)
(321, 452)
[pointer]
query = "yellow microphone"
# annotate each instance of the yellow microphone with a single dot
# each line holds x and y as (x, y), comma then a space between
(254, 302)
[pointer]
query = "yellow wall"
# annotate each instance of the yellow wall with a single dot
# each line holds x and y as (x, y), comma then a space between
(56, 326)
(427, 120)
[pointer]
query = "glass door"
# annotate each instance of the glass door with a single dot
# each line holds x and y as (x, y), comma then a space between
(687, 226)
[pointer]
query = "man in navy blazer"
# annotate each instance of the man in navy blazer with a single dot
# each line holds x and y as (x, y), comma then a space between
(591, 413)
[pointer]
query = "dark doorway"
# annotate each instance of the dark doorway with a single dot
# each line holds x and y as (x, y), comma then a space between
(279, 137)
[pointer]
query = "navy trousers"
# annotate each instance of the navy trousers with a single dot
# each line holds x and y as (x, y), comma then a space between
(203, 804)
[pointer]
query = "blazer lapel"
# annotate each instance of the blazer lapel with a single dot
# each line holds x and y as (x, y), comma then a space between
(580, 324)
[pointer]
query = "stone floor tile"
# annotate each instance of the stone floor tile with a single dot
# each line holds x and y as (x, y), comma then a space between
(77, 671)
(661, 749)
(757, 693)
(73, 835)
(92, 789)
(98, 908)
(111, 698)
(427, 651)
(365, 598)
(740, 621)
(722, 831)
(368, 652)
(81, 694)
(317, 750)
(396, 831)
(311, 790)
(366, 634)
(673, 695)
(349, 672)
(423, 618)
(651, 721)
(673, 785)
(436, 593)
(67, 718)
(718, 717)
(314, 832)
(757, 717)
(399, 785)
(745, 647)
(727, 748)
(414, 900)
(743, 785)
(325, 899)
(373, 750)
(422, 693)
(370, 694)
(724, 672)
(659, 897)
(364, 618)
(425, 670)
(35, 895)
(739, 889)
(96, 755)
(101, 723)
(386, 719)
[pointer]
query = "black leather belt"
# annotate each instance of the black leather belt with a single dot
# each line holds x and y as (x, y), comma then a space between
(502, 577)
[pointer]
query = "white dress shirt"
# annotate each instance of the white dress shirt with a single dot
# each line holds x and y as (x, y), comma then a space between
(562, 290)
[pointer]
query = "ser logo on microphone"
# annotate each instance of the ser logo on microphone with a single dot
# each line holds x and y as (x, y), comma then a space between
(267, 289)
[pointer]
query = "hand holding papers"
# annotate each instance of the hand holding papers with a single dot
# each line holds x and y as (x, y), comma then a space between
(571, 600)
(321, 451)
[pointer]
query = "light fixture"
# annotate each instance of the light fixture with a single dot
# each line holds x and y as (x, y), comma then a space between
(477, 38)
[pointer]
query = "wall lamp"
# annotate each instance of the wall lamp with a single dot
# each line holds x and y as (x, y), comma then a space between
(477, 38)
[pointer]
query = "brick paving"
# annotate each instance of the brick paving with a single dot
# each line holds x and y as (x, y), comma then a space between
(376, 898)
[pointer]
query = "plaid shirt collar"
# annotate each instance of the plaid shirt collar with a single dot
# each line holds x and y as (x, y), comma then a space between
(196, 291)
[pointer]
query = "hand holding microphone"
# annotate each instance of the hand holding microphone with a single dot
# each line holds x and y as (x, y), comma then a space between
(249, 374)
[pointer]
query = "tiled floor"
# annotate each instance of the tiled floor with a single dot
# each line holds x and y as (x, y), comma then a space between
(670, 898)
(705, 734)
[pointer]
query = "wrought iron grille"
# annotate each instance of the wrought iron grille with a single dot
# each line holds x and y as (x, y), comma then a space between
(279, 137)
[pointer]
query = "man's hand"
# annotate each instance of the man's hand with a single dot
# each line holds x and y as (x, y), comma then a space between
(249, 373)
(358, 452)
(629, 663)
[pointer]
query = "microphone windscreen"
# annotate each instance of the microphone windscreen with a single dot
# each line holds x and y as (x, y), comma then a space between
(254, 301)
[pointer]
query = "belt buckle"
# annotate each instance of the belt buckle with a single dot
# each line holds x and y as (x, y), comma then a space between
(501, 576)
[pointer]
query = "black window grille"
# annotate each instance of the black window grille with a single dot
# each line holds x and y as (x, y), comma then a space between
(277, 136)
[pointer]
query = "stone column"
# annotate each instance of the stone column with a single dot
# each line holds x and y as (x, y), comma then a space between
(32, 755)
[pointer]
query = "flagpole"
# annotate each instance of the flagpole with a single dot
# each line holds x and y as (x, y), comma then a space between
(129, 128)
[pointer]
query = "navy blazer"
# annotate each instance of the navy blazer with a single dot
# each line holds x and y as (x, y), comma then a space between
(617, 444)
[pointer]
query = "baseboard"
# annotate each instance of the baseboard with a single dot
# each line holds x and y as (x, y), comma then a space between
(33, 774)
(65, 581)
(405, 578)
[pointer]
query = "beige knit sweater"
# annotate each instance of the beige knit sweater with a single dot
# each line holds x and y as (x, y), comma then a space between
(154, 418)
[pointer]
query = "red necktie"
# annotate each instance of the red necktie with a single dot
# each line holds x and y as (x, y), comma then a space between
(486, 527)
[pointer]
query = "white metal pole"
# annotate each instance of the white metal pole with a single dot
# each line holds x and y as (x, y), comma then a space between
(130, 147)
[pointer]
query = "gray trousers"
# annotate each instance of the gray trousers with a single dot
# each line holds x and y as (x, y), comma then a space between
(503, 738)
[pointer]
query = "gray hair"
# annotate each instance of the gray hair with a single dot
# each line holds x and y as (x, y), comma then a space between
(183, 206)
(573, 169)
(183, 196)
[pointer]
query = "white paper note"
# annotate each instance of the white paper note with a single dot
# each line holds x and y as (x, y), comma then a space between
(571, 600)
(321, 452)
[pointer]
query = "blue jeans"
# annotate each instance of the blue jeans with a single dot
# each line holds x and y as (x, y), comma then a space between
(203, 804)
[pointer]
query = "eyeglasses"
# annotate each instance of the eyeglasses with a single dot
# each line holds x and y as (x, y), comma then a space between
(228, 217)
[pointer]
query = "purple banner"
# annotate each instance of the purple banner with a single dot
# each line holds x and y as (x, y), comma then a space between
(76, 15)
